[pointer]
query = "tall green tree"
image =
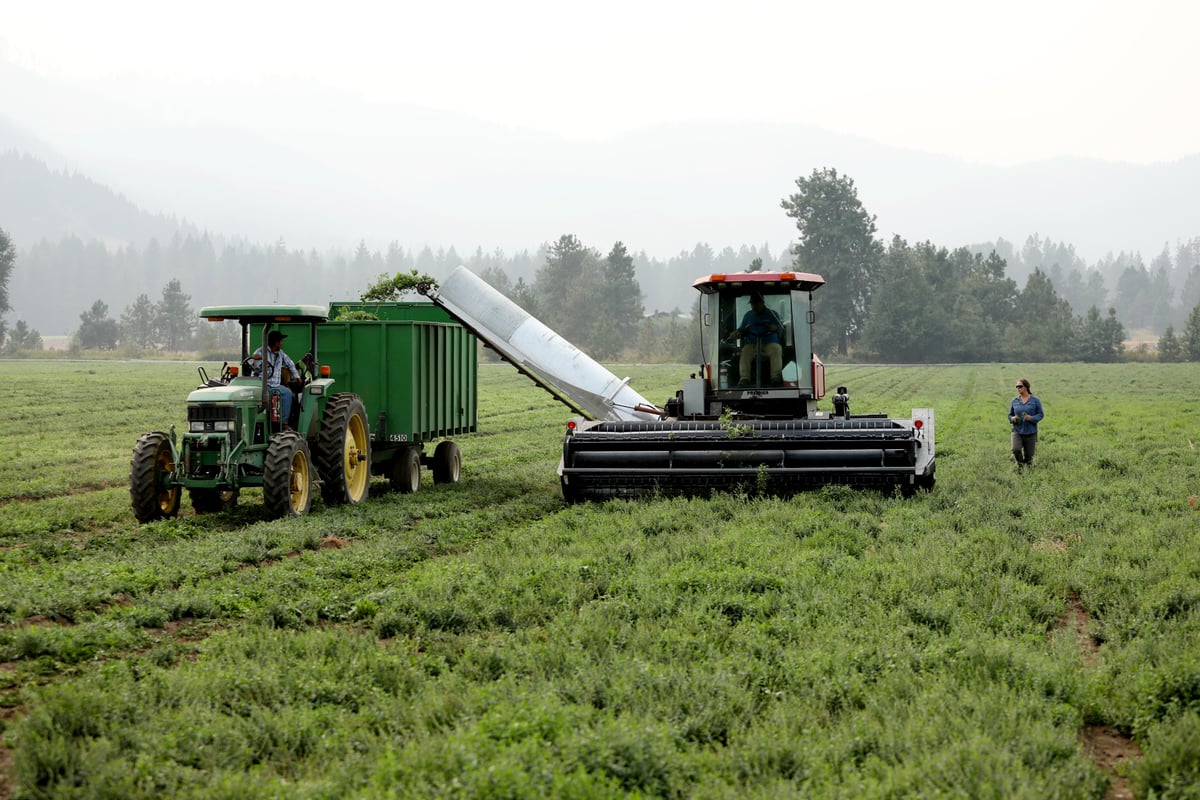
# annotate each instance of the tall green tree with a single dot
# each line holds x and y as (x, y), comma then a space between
(983, 307)
(8, 260)
(1191, 335)
(1043, 326)
(1099, 338)
(618, 305)
(1189, 295)
(176, 320)
(903, 326)
(1169, 347)
(139, 323)
(837, 241)
(524, 295)
(96, 330)
(1135, 295)
(22, 337)
(566, 287)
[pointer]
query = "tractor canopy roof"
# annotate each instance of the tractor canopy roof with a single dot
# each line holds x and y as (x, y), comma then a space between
(760, 281)
(267, 313)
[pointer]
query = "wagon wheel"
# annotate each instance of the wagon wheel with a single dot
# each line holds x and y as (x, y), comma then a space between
(447, 463)
(344, 451)
(406, 470)
(150, 470)
(287, 476)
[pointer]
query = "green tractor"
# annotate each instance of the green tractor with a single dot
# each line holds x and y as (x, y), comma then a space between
(236, 436)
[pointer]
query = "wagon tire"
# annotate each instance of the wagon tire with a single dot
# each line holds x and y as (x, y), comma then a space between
(287, 476)
(447, 463)
(406, 470)
(149, 470)
(344, 451)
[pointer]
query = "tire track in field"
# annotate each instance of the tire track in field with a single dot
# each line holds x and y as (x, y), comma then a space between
(1105, 746)
(72, 491)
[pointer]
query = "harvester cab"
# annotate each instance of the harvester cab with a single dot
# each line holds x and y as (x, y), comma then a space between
(756, 337)
(749, 420)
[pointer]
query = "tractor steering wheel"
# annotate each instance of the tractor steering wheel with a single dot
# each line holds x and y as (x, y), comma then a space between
(251, 365)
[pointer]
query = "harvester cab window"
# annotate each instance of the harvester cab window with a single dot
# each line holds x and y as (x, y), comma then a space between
(752, 328)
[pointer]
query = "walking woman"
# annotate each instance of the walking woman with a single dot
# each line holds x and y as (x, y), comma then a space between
(1025, 412)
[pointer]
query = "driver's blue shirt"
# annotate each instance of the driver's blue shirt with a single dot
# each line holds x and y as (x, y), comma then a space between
(757, 326)
(276, 361)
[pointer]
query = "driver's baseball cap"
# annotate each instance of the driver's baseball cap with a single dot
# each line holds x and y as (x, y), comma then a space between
(275, 336)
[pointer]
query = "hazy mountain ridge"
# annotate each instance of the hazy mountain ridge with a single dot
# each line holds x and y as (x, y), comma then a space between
(38, 204)
(325, 169)
(331, 171)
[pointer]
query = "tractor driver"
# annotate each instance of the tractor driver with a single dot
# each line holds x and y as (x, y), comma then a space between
(277, 361)
(761, 327)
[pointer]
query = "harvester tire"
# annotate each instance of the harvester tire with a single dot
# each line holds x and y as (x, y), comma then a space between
(447, 463)
(287, 476)
(344, 451)
(213, 501)
(149, 468)
(406, 470)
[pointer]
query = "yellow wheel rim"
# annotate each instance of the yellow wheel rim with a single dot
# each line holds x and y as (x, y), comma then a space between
(357, 466)
(168, 499)
(301, 483)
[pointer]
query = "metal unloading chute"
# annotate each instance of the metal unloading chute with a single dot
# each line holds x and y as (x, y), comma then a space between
(558, 366)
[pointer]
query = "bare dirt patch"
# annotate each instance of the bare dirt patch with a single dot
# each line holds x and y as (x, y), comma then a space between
(1076, 620)
(1106, 747)
(1111, 750)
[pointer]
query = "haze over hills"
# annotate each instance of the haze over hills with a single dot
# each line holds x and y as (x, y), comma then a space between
(326, 169)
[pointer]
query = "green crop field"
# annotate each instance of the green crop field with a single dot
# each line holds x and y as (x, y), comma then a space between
(1004, 636)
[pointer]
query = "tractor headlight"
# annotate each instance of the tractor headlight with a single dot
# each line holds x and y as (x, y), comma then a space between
(210, 426)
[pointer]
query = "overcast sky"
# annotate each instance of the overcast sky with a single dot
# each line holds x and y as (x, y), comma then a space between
(993, 83)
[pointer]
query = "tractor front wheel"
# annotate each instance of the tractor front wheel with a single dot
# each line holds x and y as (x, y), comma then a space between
(344, 450)
(150, 471)
(287, 476)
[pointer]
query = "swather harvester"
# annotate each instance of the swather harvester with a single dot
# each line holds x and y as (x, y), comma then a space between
(749, 419)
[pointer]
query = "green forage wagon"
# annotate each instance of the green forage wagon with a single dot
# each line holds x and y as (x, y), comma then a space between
(370, 394)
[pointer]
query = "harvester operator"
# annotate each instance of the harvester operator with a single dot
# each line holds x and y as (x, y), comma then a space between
(761, 328)
(277, 362)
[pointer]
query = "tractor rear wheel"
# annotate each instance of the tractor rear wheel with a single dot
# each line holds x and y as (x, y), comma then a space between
(406, 470)
(344, 450)
(213, 501)
(447, 463)
(287, 476)
(149, 469)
